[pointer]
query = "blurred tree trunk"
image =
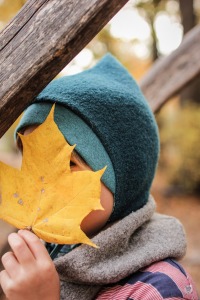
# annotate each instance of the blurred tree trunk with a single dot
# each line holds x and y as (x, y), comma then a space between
(150, 10)
(155, 53)
(187, 14)
(188, 17)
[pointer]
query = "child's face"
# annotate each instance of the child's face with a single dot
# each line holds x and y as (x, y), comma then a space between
(94, 222)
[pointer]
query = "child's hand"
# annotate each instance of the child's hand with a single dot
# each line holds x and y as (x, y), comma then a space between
(29, 272)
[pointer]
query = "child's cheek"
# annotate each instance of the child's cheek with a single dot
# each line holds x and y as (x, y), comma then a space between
(95, 221)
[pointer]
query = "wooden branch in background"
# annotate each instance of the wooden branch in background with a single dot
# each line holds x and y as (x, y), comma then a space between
(170, 74)
(40, 41)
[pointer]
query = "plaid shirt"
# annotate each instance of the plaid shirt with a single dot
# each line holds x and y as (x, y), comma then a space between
(161, 280)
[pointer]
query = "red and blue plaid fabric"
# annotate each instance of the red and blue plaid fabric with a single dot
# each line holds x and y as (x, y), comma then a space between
(161, 280)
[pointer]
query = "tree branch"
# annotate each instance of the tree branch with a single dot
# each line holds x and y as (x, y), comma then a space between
(170, 74)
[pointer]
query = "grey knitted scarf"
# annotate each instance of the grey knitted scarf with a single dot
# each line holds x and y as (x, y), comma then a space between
(136, 241)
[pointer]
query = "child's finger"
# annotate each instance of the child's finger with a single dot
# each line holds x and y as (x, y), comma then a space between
(10, 263)
(20, 249)
(4, 280)
(35, 245)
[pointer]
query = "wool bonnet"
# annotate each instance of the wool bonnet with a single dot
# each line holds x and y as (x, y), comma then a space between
(104, 113)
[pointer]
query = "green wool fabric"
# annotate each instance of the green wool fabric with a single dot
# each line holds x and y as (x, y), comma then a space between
(104, 113)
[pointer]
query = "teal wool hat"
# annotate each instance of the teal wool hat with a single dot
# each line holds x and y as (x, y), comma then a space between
(104, 113)
(76, 132)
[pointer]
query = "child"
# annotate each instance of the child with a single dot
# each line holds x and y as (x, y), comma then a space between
(103, 112)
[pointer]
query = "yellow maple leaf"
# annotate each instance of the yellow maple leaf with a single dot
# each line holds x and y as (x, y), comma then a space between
(45, 195)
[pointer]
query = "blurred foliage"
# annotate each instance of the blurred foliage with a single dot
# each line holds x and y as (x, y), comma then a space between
(149, 10)
(180, 155)
(104, 42)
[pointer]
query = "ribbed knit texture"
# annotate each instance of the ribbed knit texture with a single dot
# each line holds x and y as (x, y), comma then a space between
(109, 101)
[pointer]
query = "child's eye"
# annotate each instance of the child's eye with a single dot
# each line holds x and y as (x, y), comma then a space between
(72, 164)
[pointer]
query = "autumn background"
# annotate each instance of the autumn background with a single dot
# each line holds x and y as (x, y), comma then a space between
(143, 31)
